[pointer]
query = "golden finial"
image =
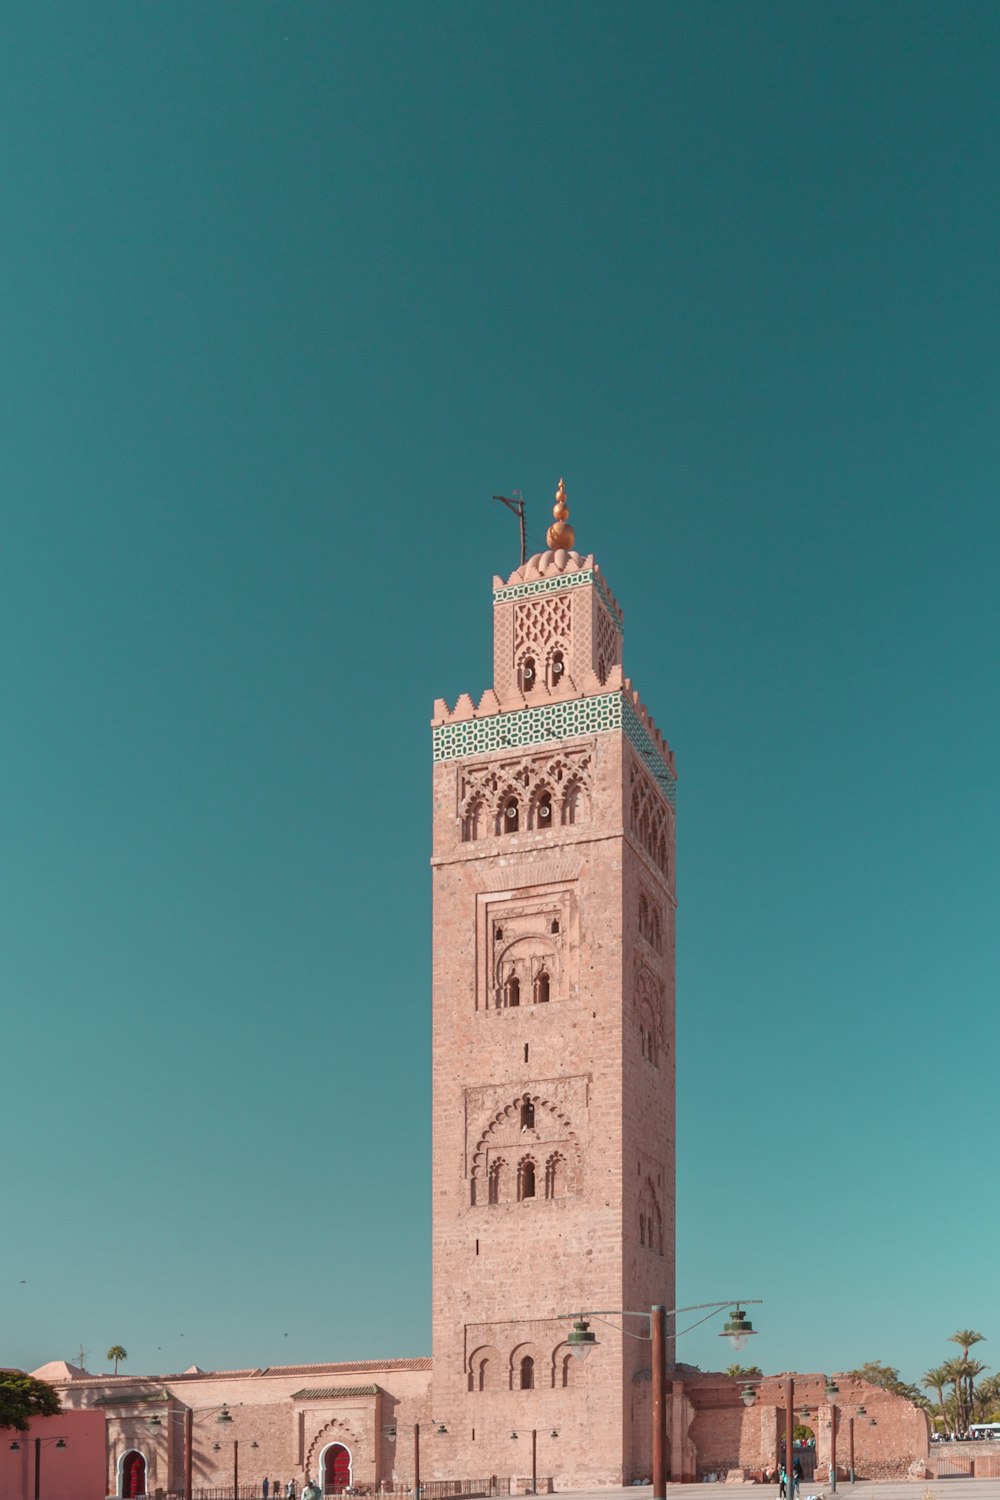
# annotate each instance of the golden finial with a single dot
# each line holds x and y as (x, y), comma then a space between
(560, 533)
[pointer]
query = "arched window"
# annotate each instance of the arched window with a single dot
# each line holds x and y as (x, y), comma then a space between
(527, 1373)
(555, 925)
(553, 1175)
(567, 1366)
(483, 1373)
(527, 674)
(543, 811)
(557, 666)
(541, 988)
(496, 1167)
(510, 816)
(571, 803)
(512, 991)
(472, 824)
(526, 1179)
(527, 1115)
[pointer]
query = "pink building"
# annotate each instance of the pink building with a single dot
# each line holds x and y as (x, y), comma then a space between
(554, 1135)
(59, 1456)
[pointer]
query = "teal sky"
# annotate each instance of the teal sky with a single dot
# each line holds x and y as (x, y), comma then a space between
(287, 292)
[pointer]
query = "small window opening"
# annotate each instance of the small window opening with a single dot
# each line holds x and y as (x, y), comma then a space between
(494, 1182)
(527, 1115)
(558, 666)
(527, 674)
(527, 1179)
(498, 935)
(527, 1373)
(477, 1247)
(541, 988)
(555, 925)
(511, 816)
(545, 811)
(526, 1052)
(512, 991)
(484, 1365)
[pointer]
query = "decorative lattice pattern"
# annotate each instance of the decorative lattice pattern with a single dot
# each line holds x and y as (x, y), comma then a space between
(640, 741)
(554, 721)
(608, 652)
(541, 621)
(555, 585)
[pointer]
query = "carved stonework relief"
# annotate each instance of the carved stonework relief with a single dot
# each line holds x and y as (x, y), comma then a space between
(649, 818)
(528, 948)
(649, 1007)
(524, 794)
(525, 1147)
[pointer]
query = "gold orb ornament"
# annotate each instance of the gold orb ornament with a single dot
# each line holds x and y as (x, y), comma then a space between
(560, 533)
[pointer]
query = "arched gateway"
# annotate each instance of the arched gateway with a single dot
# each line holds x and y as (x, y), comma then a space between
(132, 1475)
(335, 1469)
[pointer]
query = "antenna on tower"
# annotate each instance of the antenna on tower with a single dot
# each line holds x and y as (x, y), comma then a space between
(517, 506)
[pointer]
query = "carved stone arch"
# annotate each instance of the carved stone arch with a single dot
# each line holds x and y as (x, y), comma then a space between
(542, 795)
(474, 818)
(556, 652)
(561, 1367)
(576, 800)
(527, 669)
(515, 1373)
(512, 795)
(485, 1369)
(336, 1430)
(552, 1129)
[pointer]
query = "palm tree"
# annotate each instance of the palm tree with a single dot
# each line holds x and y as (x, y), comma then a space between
(116, 1352)
(966, 1337)
(935, 1380)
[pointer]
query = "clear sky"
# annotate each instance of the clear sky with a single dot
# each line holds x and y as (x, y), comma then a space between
(289, 291)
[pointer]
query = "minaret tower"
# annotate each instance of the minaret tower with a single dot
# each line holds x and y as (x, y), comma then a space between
(553, 1098)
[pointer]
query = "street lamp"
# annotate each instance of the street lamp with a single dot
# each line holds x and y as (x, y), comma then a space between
(534, 1455)
(440, 1430)
(155, 1423)
(831, 1393)
(57, 1442)
(738, 1328)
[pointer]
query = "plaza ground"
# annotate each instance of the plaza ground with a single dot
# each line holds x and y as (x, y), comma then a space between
(864, 1489)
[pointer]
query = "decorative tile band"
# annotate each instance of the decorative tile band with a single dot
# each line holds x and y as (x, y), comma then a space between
(639, 738)
(561, 581)
(555, 721)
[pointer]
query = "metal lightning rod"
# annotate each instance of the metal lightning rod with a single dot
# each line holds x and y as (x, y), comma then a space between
(517, 506)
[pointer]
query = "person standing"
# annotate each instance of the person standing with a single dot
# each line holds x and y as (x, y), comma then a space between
(266, 1488)
(782, 1482)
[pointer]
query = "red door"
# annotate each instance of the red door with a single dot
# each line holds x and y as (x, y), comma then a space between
(133, 1475)
(336, 1470)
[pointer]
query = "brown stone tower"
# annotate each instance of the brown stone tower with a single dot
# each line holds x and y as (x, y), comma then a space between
(553, 1037)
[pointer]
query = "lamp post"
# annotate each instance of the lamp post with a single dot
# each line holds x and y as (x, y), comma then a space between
(187, 1418)
(57, 1442)
(832, 1392)
(737, 1330)
(440, 1430)
(534, 1455)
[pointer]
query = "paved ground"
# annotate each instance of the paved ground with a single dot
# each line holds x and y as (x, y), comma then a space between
(865, 1489)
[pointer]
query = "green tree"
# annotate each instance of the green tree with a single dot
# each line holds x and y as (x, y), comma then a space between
(22, 1397)
(965, 1338)
(887, 1376)
(744, 1372)
(987, 1399)
(935, 1380)
(116, 1352)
